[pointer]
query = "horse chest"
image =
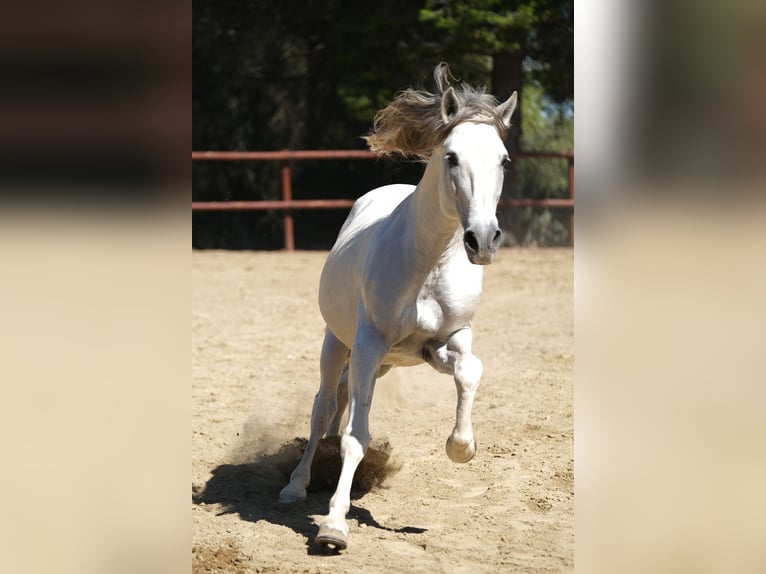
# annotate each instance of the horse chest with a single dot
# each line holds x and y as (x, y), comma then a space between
(438, 315)
(448, 300)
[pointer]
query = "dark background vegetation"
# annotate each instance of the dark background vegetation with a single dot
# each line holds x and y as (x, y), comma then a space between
(311, 75)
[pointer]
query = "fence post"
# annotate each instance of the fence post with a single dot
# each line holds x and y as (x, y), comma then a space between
(287, 195)
(570, 161)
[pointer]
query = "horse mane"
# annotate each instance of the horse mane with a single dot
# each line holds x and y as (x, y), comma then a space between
(412, 124)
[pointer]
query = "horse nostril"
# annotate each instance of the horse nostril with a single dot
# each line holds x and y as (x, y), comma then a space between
(471, 241)
(496, 237)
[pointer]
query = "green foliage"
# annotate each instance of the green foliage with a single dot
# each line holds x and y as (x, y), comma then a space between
(484, 26)
(541, 31)
(547, 127)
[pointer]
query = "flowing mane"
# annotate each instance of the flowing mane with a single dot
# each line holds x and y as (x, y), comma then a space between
(413, 125)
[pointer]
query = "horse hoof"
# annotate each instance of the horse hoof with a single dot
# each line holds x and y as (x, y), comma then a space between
(288, 497)
(460, 455)
(330, 537)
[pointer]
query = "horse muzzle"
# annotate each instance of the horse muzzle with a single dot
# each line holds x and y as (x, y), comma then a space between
(481, 243)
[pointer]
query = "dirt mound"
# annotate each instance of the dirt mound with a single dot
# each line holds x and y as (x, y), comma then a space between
(376, 466)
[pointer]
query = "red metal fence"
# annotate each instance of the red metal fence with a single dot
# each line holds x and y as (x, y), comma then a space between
(287, 204)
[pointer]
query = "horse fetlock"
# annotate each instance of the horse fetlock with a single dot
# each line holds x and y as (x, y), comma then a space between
(460, 448)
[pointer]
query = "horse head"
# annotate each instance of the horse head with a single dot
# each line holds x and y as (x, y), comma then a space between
(474, 160)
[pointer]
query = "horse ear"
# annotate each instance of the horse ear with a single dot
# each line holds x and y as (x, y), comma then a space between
(506, 109)
(450, 105)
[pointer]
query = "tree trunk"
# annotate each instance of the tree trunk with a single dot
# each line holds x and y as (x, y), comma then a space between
(507, 76)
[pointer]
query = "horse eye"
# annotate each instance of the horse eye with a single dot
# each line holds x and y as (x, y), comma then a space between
(451, 159)
(506, 163)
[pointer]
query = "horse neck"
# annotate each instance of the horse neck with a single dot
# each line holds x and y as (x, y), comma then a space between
(433, 232)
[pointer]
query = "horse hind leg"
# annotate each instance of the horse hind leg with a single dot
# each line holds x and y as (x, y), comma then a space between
(332, 361)
(342, 403)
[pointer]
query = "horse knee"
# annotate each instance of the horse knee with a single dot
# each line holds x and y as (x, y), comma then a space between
(468, 371)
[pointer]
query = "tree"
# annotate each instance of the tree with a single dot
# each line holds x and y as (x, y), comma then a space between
(520, 41)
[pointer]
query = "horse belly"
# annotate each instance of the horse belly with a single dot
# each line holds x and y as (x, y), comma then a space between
(405, 356)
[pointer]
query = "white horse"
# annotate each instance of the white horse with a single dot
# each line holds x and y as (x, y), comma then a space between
(403, 280)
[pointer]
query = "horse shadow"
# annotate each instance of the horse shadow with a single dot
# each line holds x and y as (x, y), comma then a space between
(251, 489)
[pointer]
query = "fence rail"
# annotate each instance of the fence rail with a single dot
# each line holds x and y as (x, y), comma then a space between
(287, 204)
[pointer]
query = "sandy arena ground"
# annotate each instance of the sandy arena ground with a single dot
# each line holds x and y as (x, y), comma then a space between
(256, 337)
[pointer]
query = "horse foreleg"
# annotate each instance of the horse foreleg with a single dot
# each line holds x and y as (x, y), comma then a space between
(366, 356)
(333, 358)
(343, 398)
(461, 446)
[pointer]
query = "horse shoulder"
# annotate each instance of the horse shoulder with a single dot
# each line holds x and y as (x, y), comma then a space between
(387, 293)
(371, 208)
(347, 266)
